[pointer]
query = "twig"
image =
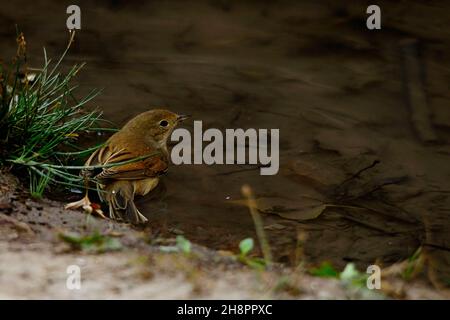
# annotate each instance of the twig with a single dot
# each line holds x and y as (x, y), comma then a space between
(251, 203)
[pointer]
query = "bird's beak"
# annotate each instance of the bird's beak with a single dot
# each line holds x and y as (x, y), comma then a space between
(183, 117)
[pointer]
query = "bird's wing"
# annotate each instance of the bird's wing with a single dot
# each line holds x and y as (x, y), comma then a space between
(145, 168)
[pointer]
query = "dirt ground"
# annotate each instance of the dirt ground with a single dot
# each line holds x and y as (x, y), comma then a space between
(34, 262)
(337, 92)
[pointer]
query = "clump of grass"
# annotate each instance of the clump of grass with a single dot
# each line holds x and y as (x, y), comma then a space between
(41, 120)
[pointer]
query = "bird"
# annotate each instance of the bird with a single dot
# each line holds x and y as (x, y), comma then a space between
(131, 163)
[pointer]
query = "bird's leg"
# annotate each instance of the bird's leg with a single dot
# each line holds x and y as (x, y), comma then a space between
(140, 218)
(112, 212)
(86, 203)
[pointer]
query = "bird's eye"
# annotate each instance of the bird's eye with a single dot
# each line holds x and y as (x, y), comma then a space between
(163, 123)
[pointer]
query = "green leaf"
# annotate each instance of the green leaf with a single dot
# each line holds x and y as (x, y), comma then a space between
(349, 273)
(246, 246)
(183, 244)
(352, 276)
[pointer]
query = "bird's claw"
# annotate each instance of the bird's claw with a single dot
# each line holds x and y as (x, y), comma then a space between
(88, 206)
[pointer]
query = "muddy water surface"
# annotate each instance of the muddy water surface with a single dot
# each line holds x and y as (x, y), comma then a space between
(355, 180)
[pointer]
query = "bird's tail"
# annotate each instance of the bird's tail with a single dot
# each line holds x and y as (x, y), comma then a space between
(121, 205)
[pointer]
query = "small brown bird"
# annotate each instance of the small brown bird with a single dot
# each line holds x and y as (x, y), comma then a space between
(145, 135)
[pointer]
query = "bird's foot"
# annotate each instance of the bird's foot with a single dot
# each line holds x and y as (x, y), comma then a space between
(140, 217)
(88, 206)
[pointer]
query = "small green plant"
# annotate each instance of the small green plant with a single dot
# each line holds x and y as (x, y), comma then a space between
(352, 276)
(181, 245)
(93, 243)
(355, 283)
(414, 265)
(41, 120)
(325, 270)
(245, 247)
(349, 274)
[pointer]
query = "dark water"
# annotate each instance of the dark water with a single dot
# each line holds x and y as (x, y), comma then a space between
(334, 89)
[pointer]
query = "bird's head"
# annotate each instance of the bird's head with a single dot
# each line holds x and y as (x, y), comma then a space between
(157, 124)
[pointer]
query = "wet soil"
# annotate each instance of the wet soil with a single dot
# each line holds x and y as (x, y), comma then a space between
(334, 89)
